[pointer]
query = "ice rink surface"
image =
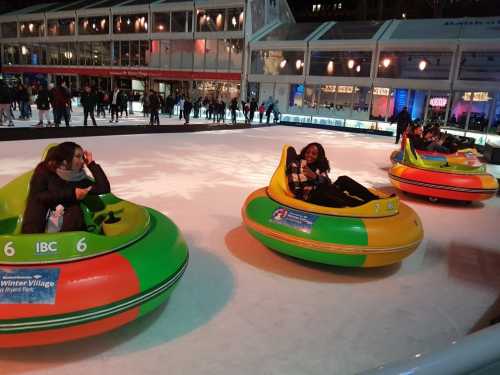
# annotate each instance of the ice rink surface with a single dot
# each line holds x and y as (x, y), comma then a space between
(244, 309)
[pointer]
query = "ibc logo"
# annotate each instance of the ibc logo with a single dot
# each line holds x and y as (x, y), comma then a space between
(43, 248)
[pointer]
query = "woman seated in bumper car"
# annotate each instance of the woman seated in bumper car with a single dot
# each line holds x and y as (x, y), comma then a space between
(309, 181)
(58, 185)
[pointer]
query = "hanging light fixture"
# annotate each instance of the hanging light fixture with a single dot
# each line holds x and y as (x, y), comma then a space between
(350, 63)
(358, 68)
(283, 63)
(386, 62)
(422, 65)
(233, 21)
(298, 64)
(329, 67)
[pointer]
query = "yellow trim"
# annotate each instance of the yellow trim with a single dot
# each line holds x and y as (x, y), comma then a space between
(405, 240)
(280, 191)
(325, 247)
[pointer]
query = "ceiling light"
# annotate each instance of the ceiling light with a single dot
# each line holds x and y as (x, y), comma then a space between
(358, 68)
(422, 65)
(329, 67)
(298, 64)
(350, 64)
(386, 62)
(282, 63)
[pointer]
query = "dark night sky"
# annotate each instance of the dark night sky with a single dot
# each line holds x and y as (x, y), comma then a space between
(351, 8)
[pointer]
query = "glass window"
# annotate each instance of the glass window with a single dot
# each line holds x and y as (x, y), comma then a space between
(471, 110)
(223, 57)
(381, 102)
(199, 54)
(352, 30)
(236, 55)
(161, 22)
(67, 54)
(144, 53)
(210, 20)
(480, 66)
(416, 105)
(25, 54)
(9, 30)
(296, 96)
(398, 99)
(179, 22)
(53, 53)
(235, 19)
(31, 28)
(130, 24)
(124, 53)
(38, 54)
(327, 97)
(274, 62)
(340, 64)
(181, 54)
(190, 21)
(311, 96)
(291, 31)
(93, 25)
(360, 101)
(11, 53)
(134, 53)
(436, 111)
(85, 53)
(495, 123)
(211, 54)
(116, 53)
(61, 27)
(414, 65)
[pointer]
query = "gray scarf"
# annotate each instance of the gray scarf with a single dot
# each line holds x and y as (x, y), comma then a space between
(71, 175)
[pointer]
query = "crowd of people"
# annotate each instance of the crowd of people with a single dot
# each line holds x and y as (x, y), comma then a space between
(54, 104)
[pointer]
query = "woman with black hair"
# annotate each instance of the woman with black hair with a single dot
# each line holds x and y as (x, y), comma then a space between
(60, 180)
(308, 179)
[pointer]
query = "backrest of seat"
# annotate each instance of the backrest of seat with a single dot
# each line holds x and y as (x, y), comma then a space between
(279, 180)
(13, 197)
(411, 156)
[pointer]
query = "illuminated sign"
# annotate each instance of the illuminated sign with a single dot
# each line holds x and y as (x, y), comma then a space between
(339, 89)
(382, 91)
(438, 102)
(480, 96)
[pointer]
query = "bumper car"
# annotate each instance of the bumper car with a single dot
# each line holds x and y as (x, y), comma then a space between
(440, 178)
(378, 233)
(56, 287)
(467, 157)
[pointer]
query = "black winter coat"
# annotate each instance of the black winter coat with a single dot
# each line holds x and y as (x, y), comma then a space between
(47, 190)
(88, 100)
(42, 100)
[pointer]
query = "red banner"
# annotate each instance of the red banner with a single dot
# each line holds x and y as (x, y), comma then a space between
(121, 72)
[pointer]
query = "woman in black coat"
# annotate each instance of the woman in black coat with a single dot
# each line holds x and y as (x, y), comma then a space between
(61, 180)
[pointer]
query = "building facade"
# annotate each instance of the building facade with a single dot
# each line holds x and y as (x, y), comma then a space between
(362, 73)
(194, 47)
(355, 74)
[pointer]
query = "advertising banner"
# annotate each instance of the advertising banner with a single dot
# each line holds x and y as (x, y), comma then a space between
(28, 286)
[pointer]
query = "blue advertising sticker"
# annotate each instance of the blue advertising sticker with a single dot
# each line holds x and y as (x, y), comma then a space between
(294, 219)
(28, 286)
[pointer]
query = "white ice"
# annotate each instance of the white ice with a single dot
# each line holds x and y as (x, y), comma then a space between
(244, 309)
